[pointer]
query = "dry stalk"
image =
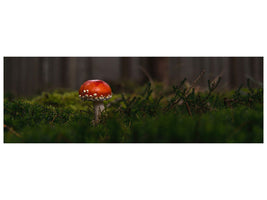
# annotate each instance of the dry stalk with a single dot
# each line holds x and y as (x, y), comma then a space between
(187, 92)
(11, 130)
(150, 80)
(188, 109)
(114, 102)
(215, 80)
(147, 75)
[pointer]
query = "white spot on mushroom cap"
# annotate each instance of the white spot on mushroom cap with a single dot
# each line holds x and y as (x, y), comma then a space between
(94, 96)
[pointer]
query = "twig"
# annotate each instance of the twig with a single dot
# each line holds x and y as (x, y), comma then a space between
(147, 74)
(53, 119)
(114, 102)
(84, 111)
(215, 80)
(194, 82)
(11, 130)
(198, 77)
(187, 92)
(188, 109)
(150, 80)
(253, 80)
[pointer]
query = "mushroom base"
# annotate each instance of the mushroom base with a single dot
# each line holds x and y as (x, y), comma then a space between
(99, 107)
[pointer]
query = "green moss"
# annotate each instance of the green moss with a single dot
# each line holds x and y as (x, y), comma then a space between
(61, 117)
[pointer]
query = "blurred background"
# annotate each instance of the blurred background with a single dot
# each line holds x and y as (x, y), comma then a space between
(26, 76)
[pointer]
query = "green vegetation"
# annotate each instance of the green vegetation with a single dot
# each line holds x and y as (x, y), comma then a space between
(183, 115)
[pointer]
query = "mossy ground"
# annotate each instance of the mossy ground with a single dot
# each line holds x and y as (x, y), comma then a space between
(143, 116)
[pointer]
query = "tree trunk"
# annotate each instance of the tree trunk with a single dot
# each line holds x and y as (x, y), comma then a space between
(236, 72)
(125, 68)
(64, 68)
(158, 68)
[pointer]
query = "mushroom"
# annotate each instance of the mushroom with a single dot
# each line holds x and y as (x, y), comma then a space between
(96, 91)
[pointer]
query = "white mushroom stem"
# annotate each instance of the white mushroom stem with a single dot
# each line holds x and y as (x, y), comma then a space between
(99, 107)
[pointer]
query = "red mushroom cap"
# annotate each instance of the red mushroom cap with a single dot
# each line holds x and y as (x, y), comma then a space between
(95, 90)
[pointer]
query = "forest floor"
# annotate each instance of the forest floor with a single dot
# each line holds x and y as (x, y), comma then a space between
(148, 114)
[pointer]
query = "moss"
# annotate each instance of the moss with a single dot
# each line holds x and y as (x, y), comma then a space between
(62, 117)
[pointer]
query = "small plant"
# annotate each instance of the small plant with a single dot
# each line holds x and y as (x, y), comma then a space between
(245, 96)
(197, 103)
(140, 106)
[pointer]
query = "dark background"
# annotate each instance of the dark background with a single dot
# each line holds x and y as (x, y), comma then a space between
(24, 76)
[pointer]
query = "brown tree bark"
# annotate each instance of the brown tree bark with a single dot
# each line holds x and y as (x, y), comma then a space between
(158, 68)
(125, 68)
(236, 72)
(64, 68)
(257, 68)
